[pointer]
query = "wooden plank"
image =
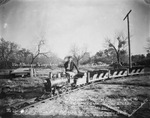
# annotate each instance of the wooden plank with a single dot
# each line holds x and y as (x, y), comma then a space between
(116, 110)
(22, 102)
(145, 101)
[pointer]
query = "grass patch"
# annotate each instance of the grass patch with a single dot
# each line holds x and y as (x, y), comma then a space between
(133, 80)
(144, 96)
(116, 96)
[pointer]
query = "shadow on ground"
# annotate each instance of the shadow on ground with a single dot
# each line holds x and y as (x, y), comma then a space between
(10, 115)
(57, 116)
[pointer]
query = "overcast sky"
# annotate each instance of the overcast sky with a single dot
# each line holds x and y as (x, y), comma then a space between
(64, 23)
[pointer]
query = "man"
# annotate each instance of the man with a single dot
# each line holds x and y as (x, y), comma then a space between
(69, 66)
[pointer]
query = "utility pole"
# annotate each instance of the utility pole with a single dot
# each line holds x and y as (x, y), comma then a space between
(129, 48)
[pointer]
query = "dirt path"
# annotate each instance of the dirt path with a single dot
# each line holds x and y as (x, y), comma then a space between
(88, 102)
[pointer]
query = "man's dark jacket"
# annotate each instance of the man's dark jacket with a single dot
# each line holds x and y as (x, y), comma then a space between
(72, 65)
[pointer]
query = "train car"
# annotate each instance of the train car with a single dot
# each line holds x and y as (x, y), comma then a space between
(97, 75)
(135, 71)
(118, 73)
(80, 79)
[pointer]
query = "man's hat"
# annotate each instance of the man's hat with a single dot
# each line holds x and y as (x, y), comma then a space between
(68, 57)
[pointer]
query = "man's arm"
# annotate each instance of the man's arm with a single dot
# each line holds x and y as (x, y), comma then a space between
(76, 67)
(65, 66)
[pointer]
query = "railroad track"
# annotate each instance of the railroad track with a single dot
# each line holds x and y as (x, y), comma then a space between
(32, 103)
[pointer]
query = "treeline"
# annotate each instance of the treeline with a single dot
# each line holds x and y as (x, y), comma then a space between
(105, 57)
(11, 53)
(143, 60)
(114, 54)
(108, 57)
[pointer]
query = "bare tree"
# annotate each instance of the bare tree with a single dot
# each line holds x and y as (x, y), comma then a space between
(119, 49)
(78, 54)
(39, 52)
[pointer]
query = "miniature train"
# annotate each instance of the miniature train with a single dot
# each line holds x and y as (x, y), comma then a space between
(57, 83)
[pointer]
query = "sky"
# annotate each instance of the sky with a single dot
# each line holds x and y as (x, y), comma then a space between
(64, 23)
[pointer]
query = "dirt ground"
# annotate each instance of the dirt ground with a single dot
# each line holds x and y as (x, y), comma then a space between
(20, 89)
(123, 94)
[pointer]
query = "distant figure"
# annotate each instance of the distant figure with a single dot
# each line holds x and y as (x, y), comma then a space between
(69, 66)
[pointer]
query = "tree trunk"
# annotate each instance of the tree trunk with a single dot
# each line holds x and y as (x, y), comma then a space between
(33, 58)
(118, 60)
